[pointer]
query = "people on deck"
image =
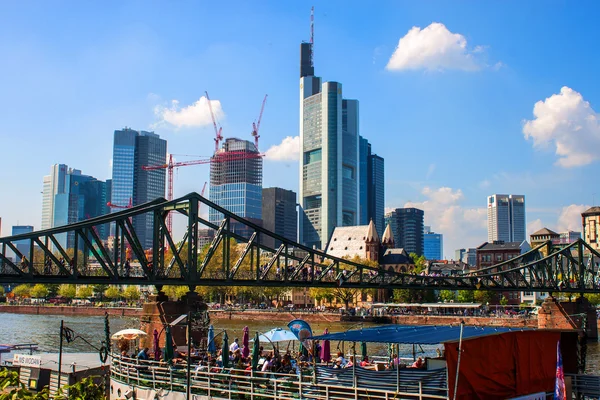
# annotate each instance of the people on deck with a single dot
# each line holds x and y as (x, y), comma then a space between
(235, 345)
(418, 363)
(143, 354)
(365, 361)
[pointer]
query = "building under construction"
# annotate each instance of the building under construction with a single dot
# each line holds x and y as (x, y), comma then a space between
(236, 181)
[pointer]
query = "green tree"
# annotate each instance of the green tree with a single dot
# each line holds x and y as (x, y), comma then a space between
(85, 291)
(419, 261)
(86, 389)
(175, 292)
(112, 293)
(39, 291)
(68, 291)
(1, 290)
(22, 290)
(466, 296)
(503, 301)
(11, 388)
(484, 296)
(593, 298)
(131, 293)
(52, 289)
(447, 295)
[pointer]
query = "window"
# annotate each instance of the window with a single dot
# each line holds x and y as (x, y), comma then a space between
(498, 257)
(347, 172)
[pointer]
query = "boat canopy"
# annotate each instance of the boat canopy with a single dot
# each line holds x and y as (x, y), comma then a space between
(413, 334)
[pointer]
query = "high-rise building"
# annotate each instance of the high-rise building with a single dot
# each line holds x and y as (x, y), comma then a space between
(458, 254)
(69, 197)
(150, 149)
(279, 215)
(470, 257)
(131, 184)
(506, 218)
(236, 183)
(569, 237)
(407, 227)
(433, 245)
(371, 187)
(22, 245)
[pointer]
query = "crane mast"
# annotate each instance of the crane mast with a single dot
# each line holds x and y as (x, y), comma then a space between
(218, 130)
(256, 125)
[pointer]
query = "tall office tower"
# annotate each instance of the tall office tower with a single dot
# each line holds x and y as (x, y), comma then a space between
(236, 183)
(506, 218)
(329, 161)
(371, 187)
(279, 215)
(433, 245)
(55, 183)
(150, 149)
(407, 227)
(22, 245)
(130, 183)
(458, 254)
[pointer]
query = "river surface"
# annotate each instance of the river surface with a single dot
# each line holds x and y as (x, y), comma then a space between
(43, 330)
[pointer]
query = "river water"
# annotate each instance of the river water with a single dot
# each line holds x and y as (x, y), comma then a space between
(43, 330)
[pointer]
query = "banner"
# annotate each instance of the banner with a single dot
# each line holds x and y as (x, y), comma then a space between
(559, 388)
(301, 329)
(22, 360)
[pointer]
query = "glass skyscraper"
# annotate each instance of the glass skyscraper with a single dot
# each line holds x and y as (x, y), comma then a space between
(236, 182)
(130, 183)
(433, 244)
(407, 227)
(506, 218)
(22, 245)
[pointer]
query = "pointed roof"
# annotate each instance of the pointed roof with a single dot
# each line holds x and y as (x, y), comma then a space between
(372, 235)
(545, 232)
(388, 237)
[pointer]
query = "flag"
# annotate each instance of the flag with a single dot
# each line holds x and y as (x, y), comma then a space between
(559, 388)
(302, 330)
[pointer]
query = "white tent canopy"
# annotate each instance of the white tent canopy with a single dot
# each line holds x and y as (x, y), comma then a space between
(128, 334)
(277, 335)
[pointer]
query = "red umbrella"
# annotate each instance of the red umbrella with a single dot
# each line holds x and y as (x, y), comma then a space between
(325, 349)
(245, 340)
(157, 352)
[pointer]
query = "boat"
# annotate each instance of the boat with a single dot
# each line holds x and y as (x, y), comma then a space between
(484, 369)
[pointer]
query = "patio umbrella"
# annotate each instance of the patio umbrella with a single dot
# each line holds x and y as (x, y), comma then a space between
(255, 352)
(363, 349)
(326, 349)
(245, 338)
(157, 351)
(169, 352)
(129, 334)
(211, 346)
(277, 335)
(225, 351)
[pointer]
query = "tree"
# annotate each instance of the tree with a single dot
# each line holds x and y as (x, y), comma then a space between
(131, 293)
(593, 298)
(1, 290)
(447, 295)
(112, 293)
(503, 301)
(419, 261)
(22, 291)
(84, 292)
(465, 296)
(175, 292)
(39, 291)
(68, 291)
(11, 388)
(484, 296)
(52, 289)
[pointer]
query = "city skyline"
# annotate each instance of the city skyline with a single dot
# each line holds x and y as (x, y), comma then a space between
(430, 110)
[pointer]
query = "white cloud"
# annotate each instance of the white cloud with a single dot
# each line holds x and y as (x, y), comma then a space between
(287, 150)
(534, 226)
(570, 218)
(569, 122)
(434, 48)
(461, 226)
(484, 184)
(194, 115)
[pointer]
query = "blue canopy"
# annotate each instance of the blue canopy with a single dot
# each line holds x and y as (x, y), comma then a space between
(412, 334)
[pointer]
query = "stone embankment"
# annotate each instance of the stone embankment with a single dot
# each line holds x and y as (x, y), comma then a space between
(71, 310)
(473, 321)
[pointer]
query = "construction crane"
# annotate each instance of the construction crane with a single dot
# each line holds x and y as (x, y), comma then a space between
(218, 136)
(256, 126)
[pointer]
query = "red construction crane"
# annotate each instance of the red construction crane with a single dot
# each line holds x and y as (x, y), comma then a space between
(256, 126)
(111, 205)
(218, 136)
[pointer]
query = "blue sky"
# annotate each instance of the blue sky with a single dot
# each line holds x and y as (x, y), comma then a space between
(447, 106)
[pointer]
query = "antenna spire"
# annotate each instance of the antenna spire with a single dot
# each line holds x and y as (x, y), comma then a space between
(312, 35)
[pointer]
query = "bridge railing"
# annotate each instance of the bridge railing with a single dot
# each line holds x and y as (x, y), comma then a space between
(231, 383)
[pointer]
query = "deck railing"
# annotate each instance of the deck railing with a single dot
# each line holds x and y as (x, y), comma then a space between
(221, 383)
(585, 386)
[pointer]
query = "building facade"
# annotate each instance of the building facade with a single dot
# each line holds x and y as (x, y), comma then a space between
(279, 215)
(433, 246)
(590, 220)
(407, 227)
(506, 217)
(569, 237)
(236, 182)
(470, 257)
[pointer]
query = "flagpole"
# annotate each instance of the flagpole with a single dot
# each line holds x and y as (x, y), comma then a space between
(462, 324)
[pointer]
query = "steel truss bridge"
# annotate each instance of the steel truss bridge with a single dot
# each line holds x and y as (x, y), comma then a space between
(237, 256)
